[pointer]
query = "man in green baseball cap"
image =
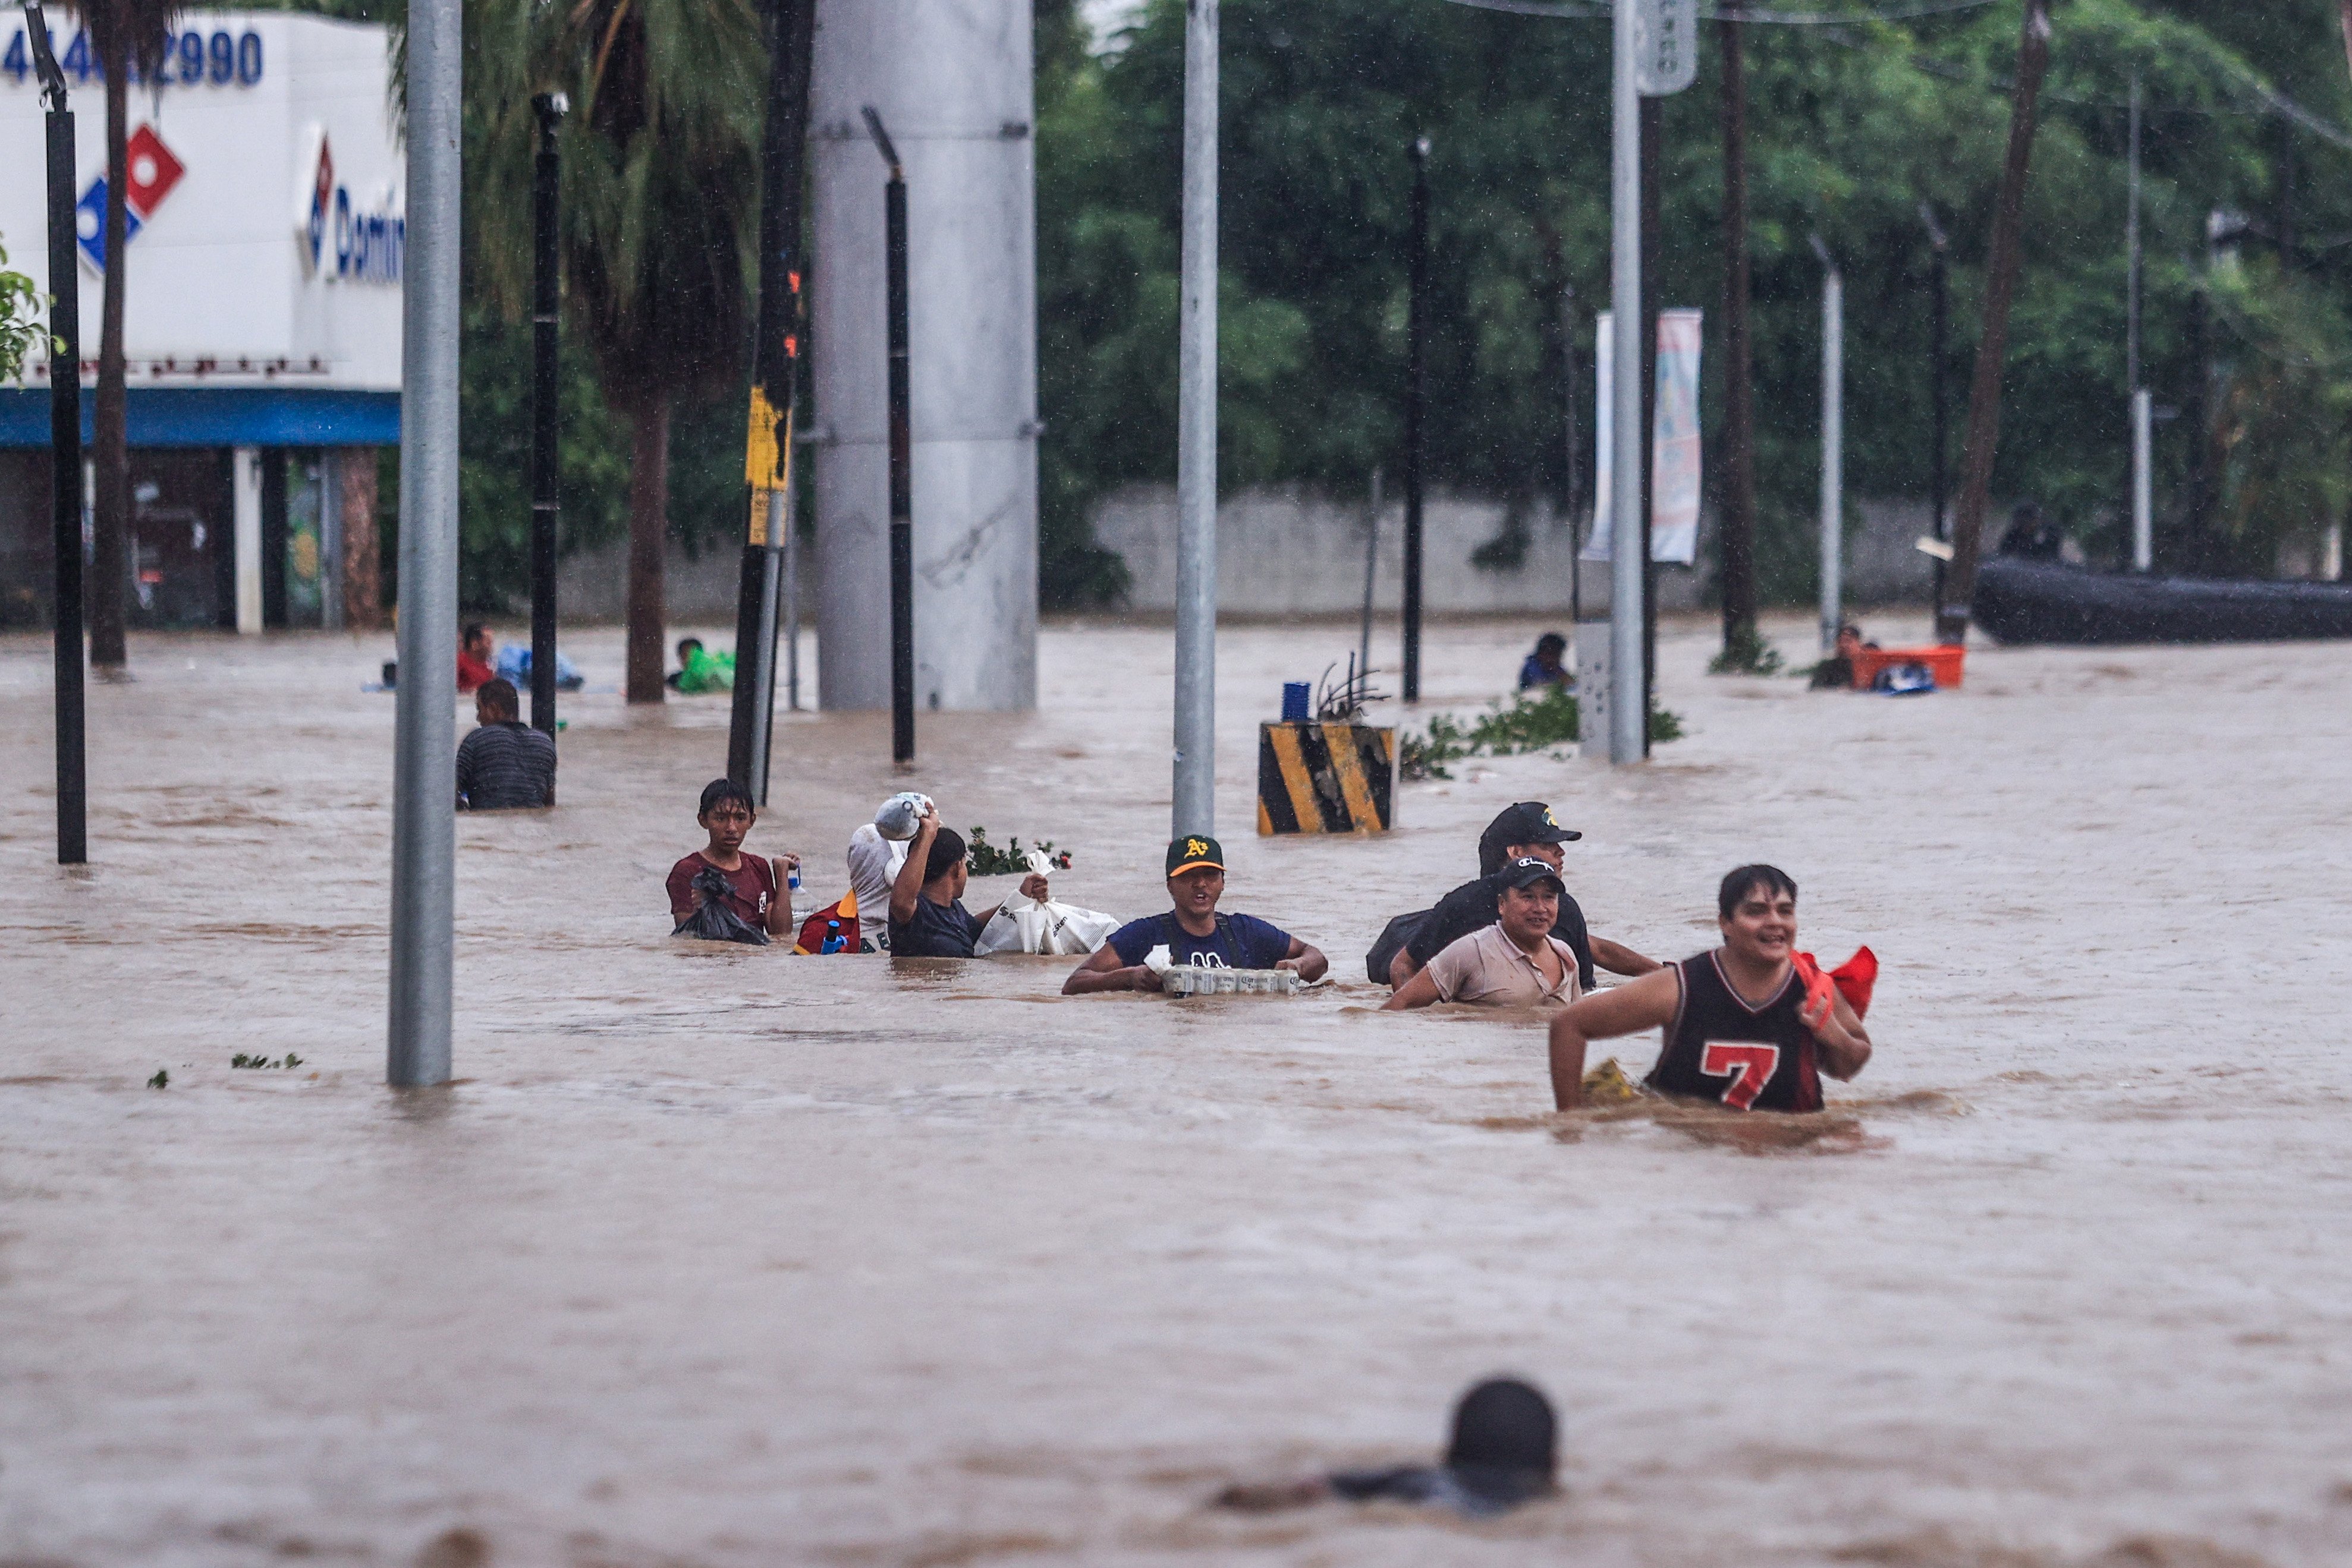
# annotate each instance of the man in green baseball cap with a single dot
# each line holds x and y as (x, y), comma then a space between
(1193, 931)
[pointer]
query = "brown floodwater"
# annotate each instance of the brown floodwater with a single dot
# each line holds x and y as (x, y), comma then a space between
(719, 1257)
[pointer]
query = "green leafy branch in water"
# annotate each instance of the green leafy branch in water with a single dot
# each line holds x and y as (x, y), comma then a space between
(241, 1060)
(1745, 653)
(161, 1080)
(985, 859)
(1532, 723)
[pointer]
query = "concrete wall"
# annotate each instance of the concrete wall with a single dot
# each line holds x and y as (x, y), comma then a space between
(592, 586)
(1292, 552)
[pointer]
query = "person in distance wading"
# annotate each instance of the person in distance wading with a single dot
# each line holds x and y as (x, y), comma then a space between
(1193, 931)
(1751, 1026)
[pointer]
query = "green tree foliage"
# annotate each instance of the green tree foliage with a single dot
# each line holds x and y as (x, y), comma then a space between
(20, 321)
(1850, 127)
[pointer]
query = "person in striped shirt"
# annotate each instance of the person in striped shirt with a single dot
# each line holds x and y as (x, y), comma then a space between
(504, 764)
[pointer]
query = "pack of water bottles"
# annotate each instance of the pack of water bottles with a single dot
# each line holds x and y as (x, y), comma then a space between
(1217, 980)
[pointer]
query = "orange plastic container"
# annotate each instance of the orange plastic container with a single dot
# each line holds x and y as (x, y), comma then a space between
(1943, 661)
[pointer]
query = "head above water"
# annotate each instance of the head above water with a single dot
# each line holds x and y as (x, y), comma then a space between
(687, 647)
(1756, 908)
(947, 859)
(1523, 828)
(1505, 1441)
(1550, 646)
(496, 701)
(727, 810)
(1527, 907)
(1196, 874)
(475, 636)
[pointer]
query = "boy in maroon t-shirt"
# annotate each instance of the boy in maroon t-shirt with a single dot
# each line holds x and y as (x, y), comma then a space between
(760, 895)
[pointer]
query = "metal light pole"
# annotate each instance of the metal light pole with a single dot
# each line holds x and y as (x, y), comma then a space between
(1937, 319)
(1195, 793)
(768, 445)
(1416, 408)
(902, 456)
(423, 825)
(65, 448)
(2143, 516)
(1628, 722)
(546, 480)
(1832, 445)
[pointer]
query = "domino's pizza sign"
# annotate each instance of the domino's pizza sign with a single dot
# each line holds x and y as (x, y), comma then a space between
(153, 170)
(340, 238)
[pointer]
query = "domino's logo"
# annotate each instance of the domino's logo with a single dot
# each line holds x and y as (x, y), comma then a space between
(340, 239)
(152, 170)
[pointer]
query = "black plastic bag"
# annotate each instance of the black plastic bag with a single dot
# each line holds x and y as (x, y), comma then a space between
(713, 921)
(1393, 937)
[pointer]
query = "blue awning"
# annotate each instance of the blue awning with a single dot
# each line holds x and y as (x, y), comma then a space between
(221, 416)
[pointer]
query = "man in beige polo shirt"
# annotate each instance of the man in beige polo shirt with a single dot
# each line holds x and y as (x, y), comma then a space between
(1515, 963)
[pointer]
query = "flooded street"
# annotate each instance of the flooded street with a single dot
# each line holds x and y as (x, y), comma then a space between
(718, 1257)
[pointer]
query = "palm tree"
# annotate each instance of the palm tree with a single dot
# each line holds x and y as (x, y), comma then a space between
(125, 35)
(660, 222)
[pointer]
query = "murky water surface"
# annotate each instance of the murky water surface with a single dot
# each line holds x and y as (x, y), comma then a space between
(721, 1257)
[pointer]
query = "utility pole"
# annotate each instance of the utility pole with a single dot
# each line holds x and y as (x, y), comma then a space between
(1654, 120)
(1416, 397)
(1738, 529)
(902, 453)
(546, 498)
(1937, 321)
(1194, 809)
(1629, 717)
(424, 754)
(1992, 343)
(1572, 486)
(2143, 514)
(65, 449)
(1832, 445)
(768, 447)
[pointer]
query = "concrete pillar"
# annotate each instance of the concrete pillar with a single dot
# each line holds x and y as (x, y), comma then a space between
(246, 486)
(952, 80)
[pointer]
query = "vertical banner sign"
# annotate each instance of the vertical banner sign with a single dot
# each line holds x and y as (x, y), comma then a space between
(1674, 449)
(1665, 56)
(1675, 442)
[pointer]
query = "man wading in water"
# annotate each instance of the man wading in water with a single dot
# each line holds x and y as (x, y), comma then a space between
(1193, 932)
(1744, 1027)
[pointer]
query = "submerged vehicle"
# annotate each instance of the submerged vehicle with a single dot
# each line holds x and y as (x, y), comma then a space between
(2022, 601)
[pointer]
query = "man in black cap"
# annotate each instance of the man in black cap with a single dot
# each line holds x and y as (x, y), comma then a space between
(1193, 931)
(1523, 831)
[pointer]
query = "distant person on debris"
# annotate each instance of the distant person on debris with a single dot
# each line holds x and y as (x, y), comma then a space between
(476, 656)
(1504, 1452)
(1751, 1026)
(757, 888)
(1193, 931)
(1524, 831)
(1543, 667)
(1515, 962)
(2030, 536)
(927, 919)
(504, 764)
(1836, 671)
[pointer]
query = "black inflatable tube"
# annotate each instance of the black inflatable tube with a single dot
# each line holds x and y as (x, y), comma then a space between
(2042, 602)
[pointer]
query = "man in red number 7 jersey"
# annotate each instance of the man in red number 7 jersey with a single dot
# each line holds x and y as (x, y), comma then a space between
(1751, 1025)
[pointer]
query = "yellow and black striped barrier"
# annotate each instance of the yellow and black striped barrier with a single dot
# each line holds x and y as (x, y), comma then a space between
(1325, 778)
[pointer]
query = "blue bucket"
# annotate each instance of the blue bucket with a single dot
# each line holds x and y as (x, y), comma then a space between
(1296, 696)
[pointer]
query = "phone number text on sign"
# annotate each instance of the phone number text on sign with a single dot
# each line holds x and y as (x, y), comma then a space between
(193, 58)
